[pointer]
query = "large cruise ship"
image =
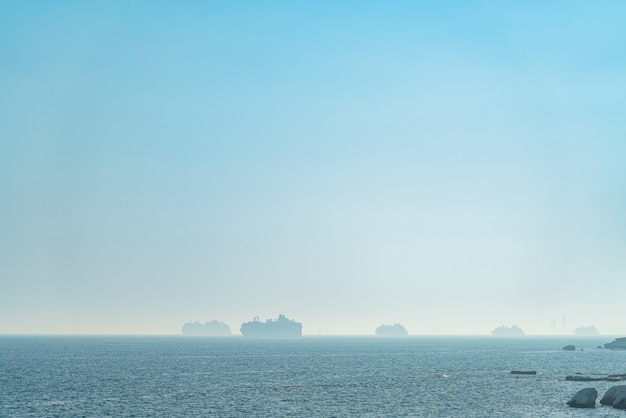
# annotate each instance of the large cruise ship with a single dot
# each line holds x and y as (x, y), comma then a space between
(272, 328)
(208, 329)
(586, 331)
(395, 330)
(512, 331)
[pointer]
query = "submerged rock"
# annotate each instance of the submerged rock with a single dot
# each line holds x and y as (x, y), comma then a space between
(569, 347)
(584, 398)
(615, 396)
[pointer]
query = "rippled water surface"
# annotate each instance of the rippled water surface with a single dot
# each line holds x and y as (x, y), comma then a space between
(308, 377)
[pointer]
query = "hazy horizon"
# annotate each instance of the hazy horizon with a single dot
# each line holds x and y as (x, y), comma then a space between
(450, 166)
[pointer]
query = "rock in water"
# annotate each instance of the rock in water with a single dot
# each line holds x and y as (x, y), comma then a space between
(615, 396)
(569, 347)
(584, 398)
(619, 402)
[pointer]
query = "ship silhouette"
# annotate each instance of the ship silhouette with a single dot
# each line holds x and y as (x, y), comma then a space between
(208, 329)
(586, 331)
(512, 331)
(272, 328)
(395, 330)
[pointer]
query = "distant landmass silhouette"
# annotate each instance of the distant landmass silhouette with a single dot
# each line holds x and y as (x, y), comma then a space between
(208, 329)
(395, 330)
(272, 328)
(504, 331)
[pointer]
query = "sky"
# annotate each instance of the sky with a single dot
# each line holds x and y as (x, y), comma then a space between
(452, 166)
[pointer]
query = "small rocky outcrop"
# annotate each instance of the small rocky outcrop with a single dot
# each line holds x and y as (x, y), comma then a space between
(617, 344)
(523, 371)
(584, 398)
(615, 397)
(608, 378)
(569, 347)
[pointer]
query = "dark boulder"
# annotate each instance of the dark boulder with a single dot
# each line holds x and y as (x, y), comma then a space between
(570, 347)
(584, 398)
(615, 396)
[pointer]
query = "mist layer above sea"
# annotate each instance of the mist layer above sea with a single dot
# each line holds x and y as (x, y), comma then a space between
(310, 376)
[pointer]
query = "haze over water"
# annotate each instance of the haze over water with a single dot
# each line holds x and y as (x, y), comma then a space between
(451, 166)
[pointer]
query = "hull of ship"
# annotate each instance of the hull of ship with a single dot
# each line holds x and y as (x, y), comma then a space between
(271, 334)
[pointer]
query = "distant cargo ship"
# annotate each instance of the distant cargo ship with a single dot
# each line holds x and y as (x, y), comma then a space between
(272, 328)
(586, 331)
(395, 330)
(512, 331)
(208, 329)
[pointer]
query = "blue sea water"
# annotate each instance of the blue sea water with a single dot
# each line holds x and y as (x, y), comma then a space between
(99, 376)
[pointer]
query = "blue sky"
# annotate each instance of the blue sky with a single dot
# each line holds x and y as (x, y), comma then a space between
(448, 165)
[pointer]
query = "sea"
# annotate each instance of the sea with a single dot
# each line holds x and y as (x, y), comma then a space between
(421, 376)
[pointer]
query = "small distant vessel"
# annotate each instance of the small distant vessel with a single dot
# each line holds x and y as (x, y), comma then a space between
(272, 328)
(512, 331)
(395, 330)
(617, 344)
(586, 331)
(208, 329)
